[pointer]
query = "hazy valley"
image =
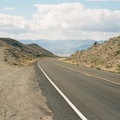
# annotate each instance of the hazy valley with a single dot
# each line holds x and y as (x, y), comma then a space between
(62, 47)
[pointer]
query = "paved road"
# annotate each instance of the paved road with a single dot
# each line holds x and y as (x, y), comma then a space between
(96, 94)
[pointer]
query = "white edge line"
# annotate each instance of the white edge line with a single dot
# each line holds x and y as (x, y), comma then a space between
(66, 99)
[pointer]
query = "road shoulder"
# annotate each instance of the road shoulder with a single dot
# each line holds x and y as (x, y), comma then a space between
(20, 95)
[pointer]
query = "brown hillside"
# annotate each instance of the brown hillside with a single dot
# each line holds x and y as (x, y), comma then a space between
(16, 53)
(104, 56)
(43, 52)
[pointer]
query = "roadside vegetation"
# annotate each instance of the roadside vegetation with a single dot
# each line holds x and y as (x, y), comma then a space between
(105, 56)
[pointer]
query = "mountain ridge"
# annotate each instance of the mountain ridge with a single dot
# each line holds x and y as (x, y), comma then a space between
(17, 53)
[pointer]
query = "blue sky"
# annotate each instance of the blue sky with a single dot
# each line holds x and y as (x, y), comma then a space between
(25, 7)
(23, 17)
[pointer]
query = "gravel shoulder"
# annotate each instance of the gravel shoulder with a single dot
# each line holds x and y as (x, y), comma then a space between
(20, 95)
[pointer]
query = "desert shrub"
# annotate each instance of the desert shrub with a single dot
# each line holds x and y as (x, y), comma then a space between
(38, 55)
(97, 61)
(95, 43)
(92, 66)
(117, 52)
(6, 59)
(15, 64)
(98, 68)
(118, 72)
(118, 66)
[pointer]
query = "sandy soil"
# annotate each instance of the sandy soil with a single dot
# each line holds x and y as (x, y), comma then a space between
(20, 95)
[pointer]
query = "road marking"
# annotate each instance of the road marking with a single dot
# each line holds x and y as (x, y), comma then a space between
(89, 74)
(66, 99)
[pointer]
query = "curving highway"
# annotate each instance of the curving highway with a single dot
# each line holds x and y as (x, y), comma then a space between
(94, 93)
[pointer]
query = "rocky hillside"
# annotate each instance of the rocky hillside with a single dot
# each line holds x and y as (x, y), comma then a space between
(104, 56)
(43, 52)
(16, 53)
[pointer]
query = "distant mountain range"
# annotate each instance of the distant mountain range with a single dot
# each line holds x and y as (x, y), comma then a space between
(62, 47)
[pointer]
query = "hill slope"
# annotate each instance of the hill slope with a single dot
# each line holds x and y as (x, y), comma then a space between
(17, 53)
(104, 56)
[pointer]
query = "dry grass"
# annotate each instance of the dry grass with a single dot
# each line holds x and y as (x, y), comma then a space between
(19, 54)
(104, 56)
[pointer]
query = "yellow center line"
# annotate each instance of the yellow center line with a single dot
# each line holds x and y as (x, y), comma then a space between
(87, 74)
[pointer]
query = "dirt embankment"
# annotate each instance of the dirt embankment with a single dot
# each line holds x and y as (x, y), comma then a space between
(20, 95)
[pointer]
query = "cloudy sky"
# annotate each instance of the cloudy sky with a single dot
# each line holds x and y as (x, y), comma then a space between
(59, 19)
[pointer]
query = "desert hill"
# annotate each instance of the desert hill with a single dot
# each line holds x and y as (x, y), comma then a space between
(16, 53)
(20, 94)
(104, 56)
(43, 52)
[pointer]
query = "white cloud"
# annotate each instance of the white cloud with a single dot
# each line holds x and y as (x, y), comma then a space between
(11, 22)
(9, 8)
(61, 16)
(63, 21)
(74, 16)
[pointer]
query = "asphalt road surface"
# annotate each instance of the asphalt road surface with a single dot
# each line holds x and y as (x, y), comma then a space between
(95, 93)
